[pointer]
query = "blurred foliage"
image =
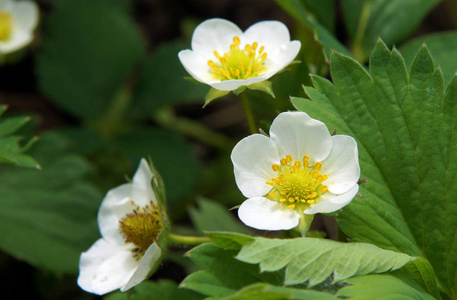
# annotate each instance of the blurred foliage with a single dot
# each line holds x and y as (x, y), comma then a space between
(107, 96)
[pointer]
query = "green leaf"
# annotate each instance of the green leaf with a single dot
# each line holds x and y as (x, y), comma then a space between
(404, 124)
(163, 290)
(263, 86)
(263, 291)
(213, 94)
(213, 216)
(89, 50)
(303, 10)
(442, 46)
(207, 283)
(48, 217)
(316, 259)
(229, 240)
(385, 286)
(422, 272)
(173, 158)
(151, 93)
(11, 151)
(368, 20)
(225, 269)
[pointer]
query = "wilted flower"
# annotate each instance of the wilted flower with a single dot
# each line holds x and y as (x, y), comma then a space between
(18, 19)
(299, 170)
(226, 58)
(130, 221)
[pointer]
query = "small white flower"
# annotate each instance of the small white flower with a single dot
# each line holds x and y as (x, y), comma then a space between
(226, 58)
(18, 19)
(130, 221)
(300, 169)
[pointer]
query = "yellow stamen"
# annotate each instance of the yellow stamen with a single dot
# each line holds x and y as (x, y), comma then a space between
(318, 165)
(297, 164)
(324, 188)
(272, 195)
(311, 201)
(282, 200)
(292, 206)
(269, 182)
(275, 167)
(283, 161)
(291, 200)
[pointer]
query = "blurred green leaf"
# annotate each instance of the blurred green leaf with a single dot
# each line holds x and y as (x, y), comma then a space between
(404, 124)
(213, 216)
(384, 286)
(162, 82)
(302, 11)
(48, 217)
(163, 290)
(391, 20)
(263, 291)
(89, 50)
(11, 151)
(442, 46)
(173, 158)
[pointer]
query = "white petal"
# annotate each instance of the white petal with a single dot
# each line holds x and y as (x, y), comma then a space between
(25, 15)
(147, 263)
(281, 57)
(214, 35)
(264, 214)
(342, 164)
(196, 65)
(230, 85)
(117, 203)
(19, 39)
(5, 5)
(297, 134)
(252, 159)
(331, 202)
(142, 179)
(105, 267)
(270, 34)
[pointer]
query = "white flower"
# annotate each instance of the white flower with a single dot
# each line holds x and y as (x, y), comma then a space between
(130, 220)
(300, 169)
(18, 19)
(226, 58)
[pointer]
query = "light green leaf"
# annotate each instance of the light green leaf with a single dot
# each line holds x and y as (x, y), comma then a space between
(163, 290)
(368, 20)
(263, 291)
(316, 259)
(222, 264)
(11, 150)
(385, 286)
(263, 86)
(442, 46)
(88, 52)
(213, 216)
(229, 240)
(213, 94)
(404, 124)
(151, 93)
(303, 11)
(422, 272)
(48, 217)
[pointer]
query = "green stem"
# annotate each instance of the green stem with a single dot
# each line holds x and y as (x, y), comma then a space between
(248, 112)
(187, 240)
(167, 119)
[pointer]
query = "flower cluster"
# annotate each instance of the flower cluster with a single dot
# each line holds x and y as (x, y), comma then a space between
(300, 169)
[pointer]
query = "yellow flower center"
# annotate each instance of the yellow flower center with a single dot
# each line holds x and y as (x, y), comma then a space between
(297, 183)
(6, 26)
(239, 63)
(141, 227)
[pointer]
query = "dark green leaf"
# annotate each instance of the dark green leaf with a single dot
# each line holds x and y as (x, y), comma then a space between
(213, 216)
(405, 128)
(89, 50)
(442, 46)
(422, 272)
(48, 217)
(162, 82)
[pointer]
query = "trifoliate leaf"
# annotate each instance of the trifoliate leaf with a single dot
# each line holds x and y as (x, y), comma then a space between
(404, 123)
